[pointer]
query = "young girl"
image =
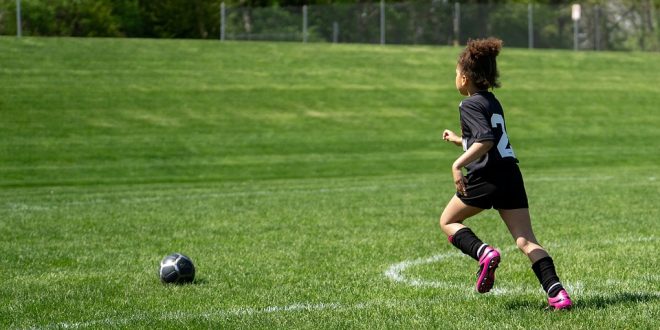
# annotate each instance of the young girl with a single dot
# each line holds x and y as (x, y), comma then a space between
(493, 179)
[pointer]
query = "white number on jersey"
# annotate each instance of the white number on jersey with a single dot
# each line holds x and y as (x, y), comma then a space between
(503, 145)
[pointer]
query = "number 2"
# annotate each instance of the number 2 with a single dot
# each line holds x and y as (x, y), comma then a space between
(503, 145)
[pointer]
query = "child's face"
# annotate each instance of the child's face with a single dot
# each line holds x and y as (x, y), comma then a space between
(461, 81)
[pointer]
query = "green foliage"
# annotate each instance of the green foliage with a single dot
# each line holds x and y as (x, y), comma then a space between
(606, 25)
(269, 23)
(296, 176)
(70, 18)
(179, 18)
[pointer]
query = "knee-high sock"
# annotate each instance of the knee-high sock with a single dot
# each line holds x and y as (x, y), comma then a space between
(465, 240)
(544, 269)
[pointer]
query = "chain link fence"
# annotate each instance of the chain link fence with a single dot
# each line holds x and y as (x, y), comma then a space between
(612, 25)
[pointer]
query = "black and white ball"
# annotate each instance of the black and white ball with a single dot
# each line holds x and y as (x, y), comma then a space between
(177, 268)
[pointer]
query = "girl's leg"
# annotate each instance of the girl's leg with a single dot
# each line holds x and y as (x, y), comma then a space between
(462, 237)
(451, 222)
(520, 226)
(454, 214)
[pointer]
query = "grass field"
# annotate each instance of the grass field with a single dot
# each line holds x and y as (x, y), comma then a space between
(305, 181)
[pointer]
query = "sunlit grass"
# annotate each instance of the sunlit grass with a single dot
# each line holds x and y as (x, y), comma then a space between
(296, 175)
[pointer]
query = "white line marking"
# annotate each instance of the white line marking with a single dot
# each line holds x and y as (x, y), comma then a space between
(396, 271)
(577, 289)
(175, 194)
(569, 178)
(232, 312)
(172, 195)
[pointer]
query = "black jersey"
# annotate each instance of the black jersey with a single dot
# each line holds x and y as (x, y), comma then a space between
(482, 119)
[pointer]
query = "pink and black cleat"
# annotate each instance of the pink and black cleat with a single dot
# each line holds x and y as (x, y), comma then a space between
(488, 263)
(560, 301)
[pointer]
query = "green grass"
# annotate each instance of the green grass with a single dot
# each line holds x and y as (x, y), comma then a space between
(296, 176)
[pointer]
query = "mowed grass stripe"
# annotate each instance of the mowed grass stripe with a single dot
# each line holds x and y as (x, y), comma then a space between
(65, 197)
(296, 175)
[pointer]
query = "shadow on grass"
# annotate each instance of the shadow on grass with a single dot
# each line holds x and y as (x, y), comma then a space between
(620, 298)
(196, 281)
(599, 301)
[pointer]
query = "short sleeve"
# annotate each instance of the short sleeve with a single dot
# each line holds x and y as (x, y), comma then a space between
(474, 117)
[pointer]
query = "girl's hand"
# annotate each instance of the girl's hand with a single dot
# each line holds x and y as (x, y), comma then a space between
(459, 180)
(450, 136)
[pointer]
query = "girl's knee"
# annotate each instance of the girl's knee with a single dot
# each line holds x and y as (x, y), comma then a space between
(528, 246)
(442, 222)
(447, 220)
(523, 244)
(449, 225)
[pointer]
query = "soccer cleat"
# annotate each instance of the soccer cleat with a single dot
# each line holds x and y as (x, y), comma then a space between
(488, 263)
(560, 301)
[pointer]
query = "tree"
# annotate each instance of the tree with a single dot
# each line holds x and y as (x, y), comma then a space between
(70, 18)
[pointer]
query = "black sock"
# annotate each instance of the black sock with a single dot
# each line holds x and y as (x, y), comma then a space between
(544, 269)
(465, 240)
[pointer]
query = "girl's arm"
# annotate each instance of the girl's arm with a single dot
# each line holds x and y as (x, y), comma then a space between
(452, 137)
(473, 153)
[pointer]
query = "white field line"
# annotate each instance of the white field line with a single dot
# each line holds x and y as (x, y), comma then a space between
(232, 312)
(196, 196)
(219, 314)
(172, 195)
(394, 273)
(571, 178)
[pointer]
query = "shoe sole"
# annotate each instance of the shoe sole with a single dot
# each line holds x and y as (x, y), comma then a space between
(561, 302)
(486, 282)
(559, 309)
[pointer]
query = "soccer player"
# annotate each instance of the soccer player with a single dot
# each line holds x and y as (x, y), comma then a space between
(493, 179)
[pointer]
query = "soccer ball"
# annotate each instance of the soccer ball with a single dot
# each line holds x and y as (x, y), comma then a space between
(177, 268)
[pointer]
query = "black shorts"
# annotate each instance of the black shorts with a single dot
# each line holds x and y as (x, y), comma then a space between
(501, 188)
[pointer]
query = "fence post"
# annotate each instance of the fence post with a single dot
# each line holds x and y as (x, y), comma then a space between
(19, 24)
(382, 22)
(575, 15)
(457, 23)
(530, 28)
(597, 27)
(222, 21)
(304, 23)
(335, 32)
(575, 35)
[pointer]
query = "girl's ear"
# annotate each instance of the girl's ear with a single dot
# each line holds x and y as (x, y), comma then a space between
(464, 80)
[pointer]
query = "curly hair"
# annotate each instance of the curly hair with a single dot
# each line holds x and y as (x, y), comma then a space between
(477, 62)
